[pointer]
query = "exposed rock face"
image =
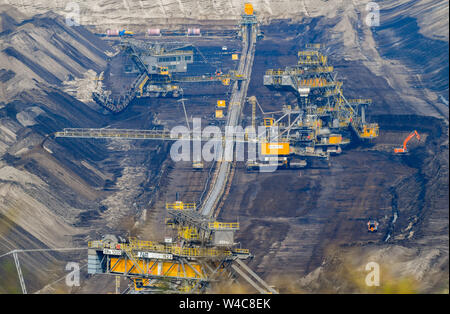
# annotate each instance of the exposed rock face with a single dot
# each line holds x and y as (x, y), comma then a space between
(41, 196)
(44, 50)
(50, 191)
(104, 14)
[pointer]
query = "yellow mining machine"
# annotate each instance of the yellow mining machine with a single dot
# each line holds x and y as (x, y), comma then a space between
(319, 124)
(200, 253)
(313, 81)
(158, 71)
(289, 137)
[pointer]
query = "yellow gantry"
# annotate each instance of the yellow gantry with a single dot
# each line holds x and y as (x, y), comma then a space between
(172, 268)
(167, 248)
(179, 205)
(223, 225)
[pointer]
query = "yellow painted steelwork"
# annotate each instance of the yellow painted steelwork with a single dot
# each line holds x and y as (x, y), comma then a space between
(308, 53)
(221, 103)
(219, 113)
(248, 8)
(314, 46)
(275, 148)
(275, 72)
(139, 283)
(335, 139)
(223, 225)
(180, 205)
(268, 122)
(169, 222)
(164, 70)
(312, 58)
(162, 248)
(141, 86)
(156, 268)
(316, 82)
(322, 69)
(241, 251)
(234, 56)
(369, 131)
(188, 233)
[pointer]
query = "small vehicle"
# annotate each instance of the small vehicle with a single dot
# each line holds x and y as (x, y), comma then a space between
(372, 225)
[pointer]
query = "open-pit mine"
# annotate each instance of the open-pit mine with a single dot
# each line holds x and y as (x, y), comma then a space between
(216, 147)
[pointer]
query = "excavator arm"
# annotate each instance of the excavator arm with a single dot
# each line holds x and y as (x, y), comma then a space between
(407, 139)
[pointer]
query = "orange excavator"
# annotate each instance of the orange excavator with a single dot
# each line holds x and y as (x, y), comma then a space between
(407, 139)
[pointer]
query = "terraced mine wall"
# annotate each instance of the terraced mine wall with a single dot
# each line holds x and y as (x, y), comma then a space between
(64, 193)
